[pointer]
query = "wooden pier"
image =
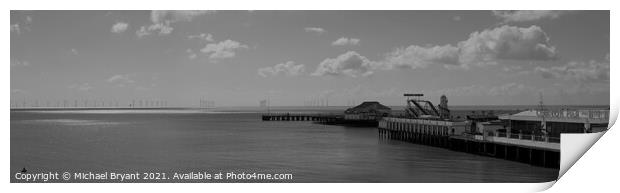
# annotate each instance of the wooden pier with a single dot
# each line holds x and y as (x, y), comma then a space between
(314, 117)
(533, 150)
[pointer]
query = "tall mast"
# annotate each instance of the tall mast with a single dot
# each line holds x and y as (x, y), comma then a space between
(541, 109)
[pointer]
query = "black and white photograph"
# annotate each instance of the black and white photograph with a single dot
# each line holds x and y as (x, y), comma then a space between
(303, 96)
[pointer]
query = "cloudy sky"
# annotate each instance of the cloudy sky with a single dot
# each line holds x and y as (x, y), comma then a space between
(237, 58)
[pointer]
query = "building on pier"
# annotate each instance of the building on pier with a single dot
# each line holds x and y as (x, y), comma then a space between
(478, 123)
(490, 127)
(369, 110)
(554, 122)
(425, 126)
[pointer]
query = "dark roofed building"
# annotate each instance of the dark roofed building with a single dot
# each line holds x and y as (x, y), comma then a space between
(369, 110)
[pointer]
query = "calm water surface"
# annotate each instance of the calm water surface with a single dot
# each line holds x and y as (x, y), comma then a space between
(192, 140)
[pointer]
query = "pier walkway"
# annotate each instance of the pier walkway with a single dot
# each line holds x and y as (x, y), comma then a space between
(315, 117)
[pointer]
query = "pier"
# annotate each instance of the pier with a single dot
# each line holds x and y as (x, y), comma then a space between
(530, 149)
(314, 117)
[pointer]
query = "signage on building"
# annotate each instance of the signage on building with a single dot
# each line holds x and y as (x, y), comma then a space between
(584, 114)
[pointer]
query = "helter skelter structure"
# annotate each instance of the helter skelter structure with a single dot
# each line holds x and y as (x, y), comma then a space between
(420, 108)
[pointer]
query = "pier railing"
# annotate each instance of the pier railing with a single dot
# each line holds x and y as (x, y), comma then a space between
(541, 138)
(316, 117)
(290, 114)
(539, 141)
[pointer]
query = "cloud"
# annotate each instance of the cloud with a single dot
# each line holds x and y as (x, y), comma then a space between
(481, 48)
(121, 80)
(581, 72)
(74, 51)
(351, 64)
(18, 91)
(343, 41)
(81, 87)
(159, 28)
(119, 27)
(317, 30)
(419, 57)
(142, 32)
(162, 20)
(20, 63)
(457, 18)
(506, 43)
(607, 57)
(130, 81)
(202, 36)
(164, 28)
(23, 22)
(223, 49)
(159, 16)
(289, 69)
(15, 29)
(192, 54)
(528, 15)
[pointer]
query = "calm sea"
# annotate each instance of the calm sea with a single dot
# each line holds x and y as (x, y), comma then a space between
(190, 140)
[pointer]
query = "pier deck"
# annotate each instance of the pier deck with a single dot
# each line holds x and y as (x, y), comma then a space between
(328, 119)
(315, 117)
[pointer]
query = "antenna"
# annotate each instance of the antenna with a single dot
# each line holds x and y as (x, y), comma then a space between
(541, 106)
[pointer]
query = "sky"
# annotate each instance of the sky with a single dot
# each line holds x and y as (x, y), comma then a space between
(297, 58)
